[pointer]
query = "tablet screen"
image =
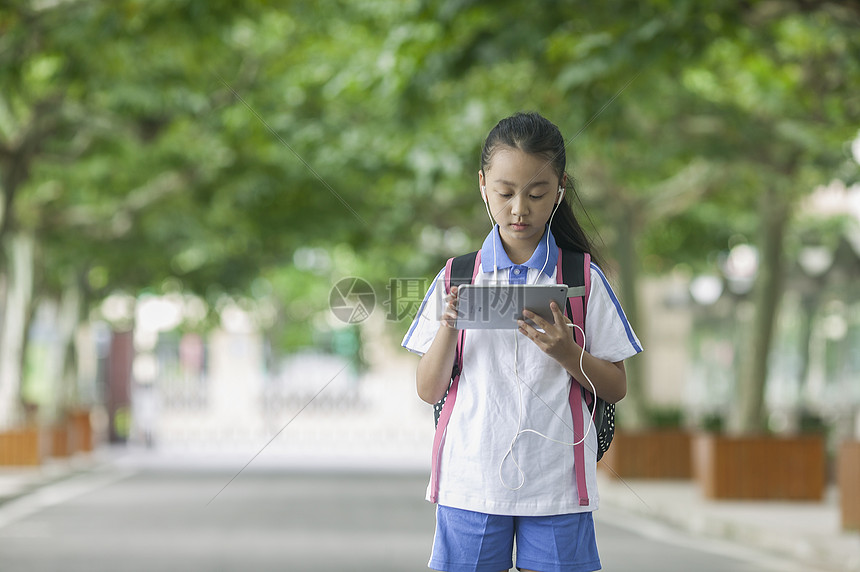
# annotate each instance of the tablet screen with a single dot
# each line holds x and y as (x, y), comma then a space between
(499, 306)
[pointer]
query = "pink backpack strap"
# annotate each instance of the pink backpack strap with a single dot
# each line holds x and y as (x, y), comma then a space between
(586, 271)
(451, 399)
(442, 426)
(579, 449)
(577, 307)
(448, 275)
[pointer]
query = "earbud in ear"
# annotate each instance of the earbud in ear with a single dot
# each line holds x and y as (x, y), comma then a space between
(484, 193)
(560, 195)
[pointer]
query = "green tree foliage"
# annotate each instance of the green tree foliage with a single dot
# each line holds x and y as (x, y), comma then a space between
(212, 145)
(782, 90)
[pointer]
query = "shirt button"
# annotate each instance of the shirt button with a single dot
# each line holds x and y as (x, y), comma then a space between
(517, 271)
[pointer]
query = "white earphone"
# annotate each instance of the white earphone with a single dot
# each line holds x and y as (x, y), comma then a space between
(520, 431)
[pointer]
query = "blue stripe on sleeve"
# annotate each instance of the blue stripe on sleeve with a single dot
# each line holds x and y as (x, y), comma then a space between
(627, 328)
(421, 309)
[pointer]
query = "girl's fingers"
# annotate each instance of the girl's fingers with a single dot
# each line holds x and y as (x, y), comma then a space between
(526, 329)
(542, 324)
(452, 295)
(559, 319)
(451, 298)
(449, 317)
(553, 334)
(557, 314)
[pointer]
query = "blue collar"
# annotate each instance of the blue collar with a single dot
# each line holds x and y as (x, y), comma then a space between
(502, 260)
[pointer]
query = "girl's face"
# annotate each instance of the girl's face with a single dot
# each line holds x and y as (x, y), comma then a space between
(521, 191)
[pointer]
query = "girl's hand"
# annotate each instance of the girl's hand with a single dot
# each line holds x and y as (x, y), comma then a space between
(607, 379)
(449, 316)
(556, 340)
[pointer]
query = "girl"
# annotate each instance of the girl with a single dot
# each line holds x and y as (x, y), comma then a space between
(506, 470)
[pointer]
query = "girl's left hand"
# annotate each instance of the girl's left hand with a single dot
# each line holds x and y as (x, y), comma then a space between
(556, 340)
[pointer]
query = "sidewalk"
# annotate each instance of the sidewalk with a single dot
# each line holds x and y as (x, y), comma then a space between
(16, 482)
(807, 532)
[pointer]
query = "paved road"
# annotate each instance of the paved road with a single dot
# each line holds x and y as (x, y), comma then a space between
(115, 521)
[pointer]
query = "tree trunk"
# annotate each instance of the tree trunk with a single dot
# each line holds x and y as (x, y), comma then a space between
(635, 406)
(16, 317)
(809, 302)
(749, 414)
(61, 371)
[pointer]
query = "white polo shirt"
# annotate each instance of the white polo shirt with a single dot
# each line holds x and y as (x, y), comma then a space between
(508, 385)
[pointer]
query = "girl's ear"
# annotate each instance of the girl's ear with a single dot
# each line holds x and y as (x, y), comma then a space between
(482, 185)
(561, 188)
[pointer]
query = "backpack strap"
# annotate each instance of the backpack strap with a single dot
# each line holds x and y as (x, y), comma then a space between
(463, 271)
(459, 270)
(574, 269)
(457, 273)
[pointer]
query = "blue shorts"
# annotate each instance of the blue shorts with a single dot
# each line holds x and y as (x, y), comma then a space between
(479, 542)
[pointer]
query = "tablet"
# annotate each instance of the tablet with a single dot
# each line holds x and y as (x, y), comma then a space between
(499, 306)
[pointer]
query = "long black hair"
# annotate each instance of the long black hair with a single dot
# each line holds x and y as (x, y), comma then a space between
(534, 134)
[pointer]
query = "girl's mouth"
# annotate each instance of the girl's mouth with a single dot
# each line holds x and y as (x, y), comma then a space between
(519, 225)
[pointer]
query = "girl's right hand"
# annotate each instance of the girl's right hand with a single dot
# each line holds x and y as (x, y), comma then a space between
(449, 316)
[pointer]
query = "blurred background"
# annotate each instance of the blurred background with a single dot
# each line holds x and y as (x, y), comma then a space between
(187, 184)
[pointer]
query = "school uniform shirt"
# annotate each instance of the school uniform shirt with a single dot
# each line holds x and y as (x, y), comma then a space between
(491, 461)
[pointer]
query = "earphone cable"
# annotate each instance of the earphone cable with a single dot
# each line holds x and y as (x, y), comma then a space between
(510, 452)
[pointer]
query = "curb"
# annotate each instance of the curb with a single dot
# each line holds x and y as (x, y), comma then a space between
(802, 532)
(17, 482)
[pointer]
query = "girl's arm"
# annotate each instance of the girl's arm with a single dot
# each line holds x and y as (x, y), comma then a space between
(434, 368)
(557, 341)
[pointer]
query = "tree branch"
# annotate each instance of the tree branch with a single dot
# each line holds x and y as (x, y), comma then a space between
(91, 218)
(680, 191)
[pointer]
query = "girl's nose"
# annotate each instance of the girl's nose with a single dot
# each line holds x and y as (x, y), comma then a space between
(519, 204)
